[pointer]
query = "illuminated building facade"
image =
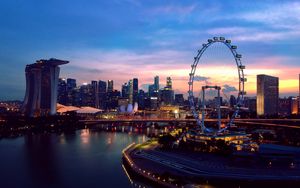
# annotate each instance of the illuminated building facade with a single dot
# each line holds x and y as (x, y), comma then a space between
(267, 95)
(167, 94)
(169, 83)
(62, 94)
(294, 105)
(299, 97)
(130, 91)
(110, 86)
(41, 87)
(124, 90)
(71, 86)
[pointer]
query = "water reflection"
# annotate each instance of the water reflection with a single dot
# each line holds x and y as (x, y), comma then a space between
(85, 158)
(40, 155)
(85, 137)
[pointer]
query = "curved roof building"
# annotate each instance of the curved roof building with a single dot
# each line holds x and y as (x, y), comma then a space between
(41, 87)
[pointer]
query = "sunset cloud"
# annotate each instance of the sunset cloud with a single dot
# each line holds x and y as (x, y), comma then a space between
(121, 40)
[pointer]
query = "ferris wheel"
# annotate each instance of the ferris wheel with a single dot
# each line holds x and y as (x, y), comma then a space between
(240, 94)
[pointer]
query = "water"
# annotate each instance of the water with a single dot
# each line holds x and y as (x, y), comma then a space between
(81, 159)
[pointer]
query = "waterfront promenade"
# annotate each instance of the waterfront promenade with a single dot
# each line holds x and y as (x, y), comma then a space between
(152, 160)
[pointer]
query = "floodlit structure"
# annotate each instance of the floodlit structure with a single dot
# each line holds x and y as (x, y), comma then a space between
(41, 87)
(267, 95)
(129, 108)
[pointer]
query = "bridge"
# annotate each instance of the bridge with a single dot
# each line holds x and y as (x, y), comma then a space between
(276, 123)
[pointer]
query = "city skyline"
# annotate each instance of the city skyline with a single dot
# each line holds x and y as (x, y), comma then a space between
(146, 39)
(131, 93)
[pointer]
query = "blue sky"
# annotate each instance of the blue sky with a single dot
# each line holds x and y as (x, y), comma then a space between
(120, 40)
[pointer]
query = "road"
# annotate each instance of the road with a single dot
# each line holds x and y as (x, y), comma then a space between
(211, 168)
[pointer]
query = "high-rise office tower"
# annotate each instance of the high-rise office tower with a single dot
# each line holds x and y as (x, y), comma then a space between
(86, 95)
(112, 100)
(179, 100)
(151, 91)
(299, 97)
(110, 86)
(267, 95)
(71, 85)
(130, 91)
(156, 83)
(62, 94)
(288, 106)
(76, 97)
(41, 87)
(141, 99)
(169, 83)
(102, 94)
(294, 105)
(135, 88)
(166, 96)
(124, 90)
(95, 95)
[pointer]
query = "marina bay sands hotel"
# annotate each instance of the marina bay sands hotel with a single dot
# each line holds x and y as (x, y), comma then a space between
(41, 87)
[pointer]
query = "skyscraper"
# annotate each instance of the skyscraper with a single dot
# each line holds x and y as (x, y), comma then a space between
(71, 85)
(156, 83)
(110, 86)
(86, 96)
(151, 91)
(167, 94)
(299, 97)
(169, 83)
(130, 91)
(135, 90)
(141, 99)
(124, 90)
(267, 95)
(62, 94)
(41, 87)
(179, 100)
(112, 100)
(95, 95)
(102, 94)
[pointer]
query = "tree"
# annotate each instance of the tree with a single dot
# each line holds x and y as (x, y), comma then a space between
(166, 140)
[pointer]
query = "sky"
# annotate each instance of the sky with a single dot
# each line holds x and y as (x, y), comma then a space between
(123, 39)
